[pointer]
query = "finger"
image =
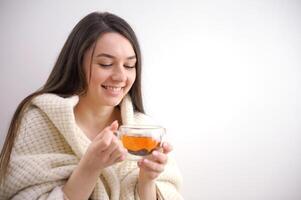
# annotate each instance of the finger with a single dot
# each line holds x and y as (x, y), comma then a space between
(159, 157)
(150, 174)
(121, 158)
(106, 140)
(113, 146)
(102, 133)
(152, 166)
(117, 153)
(167, 147)
(114, 126)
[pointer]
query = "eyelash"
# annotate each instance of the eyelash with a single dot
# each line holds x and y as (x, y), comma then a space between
(126, 66)
(129, 67)
(103, 65)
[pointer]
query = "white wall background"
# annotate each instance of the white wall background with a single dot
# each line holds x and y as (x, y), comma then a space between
(222, 76)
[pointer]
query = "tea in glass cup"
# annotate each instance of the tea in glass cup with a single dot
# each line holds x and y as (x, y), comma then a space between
(141, 140)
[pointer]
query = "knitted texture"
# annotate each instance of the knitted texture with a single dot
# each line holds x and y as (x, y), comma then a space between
(49, 146)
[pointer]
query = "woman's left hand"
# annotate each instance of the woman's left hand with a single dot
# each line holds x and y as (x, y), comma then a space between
(153, 165)
(150, 168)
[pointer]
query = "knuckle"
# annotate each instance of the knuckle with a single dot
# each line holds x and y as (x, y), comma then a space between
(163, 159)
(115, 153)
(121, 158)
(151, 165)
(158, 168)
(106, 143)
(104, 159)
(104, 132)
(115, 140)
(106, 129)
(121, 149)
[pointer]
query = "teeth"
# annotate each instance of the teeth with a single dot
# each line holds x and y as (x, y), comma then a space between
(113, 88)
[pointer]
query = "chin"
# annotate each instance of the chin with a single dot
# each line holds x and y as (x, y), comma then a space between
(113, 102)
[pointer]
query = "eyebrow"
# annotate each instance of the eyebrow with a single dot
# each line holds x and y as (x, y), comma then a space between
(111, 56)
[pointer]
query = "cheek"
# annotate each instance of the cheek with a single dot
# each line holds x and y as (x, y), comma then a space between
(98, 76)
(132, 78)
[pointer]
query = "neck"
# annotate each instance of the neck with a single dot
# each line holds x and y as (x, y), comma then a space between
(92, 119)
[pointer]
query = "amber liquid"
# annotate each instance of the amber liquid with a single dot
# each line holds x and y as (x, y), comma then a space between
(139, 145)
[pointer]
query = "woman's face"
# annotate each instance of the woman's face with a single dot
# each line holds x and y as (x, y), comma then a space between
(112, 68)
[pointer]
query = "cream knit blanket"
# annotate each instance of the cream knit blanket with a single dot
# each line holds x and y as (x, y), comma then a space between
(49, 146)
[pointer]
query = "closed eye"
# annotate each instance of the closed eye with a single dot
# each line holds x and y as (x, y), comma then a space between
(105, 65)
(130, 66)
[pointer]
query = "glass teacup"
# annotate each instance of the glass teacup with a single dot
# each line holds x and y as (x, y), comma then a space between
(141, 140)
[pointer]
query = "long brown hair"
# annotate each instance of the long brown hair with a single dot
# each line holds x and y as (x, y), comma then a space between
(68, 76)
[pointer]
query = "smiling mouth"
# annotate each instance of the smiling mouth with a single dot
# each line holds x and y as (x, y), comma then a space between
(112, 88)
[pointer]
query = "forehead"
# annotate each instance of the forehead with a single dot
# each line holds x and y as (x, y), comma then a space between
(114, 44)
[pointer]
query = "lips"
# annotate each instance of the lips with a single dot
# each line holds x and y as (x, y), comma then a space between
(113, 90)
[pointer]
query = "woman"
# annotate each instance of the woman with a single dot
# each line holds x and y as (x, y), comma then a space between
(60, 144)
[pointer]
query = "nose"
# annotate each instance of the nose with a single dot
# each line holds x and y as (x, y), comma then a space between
(119, 73)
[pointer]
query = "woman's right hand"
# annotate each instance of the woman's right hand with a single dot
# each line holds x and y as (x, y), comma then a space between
(104, 150)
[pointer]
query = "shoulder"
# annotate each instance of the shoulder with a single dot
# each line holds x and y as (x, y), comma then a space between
(45, 109)
(34, 119)
(54, 101)
(37, 134)
(58, 110)
(31, 116)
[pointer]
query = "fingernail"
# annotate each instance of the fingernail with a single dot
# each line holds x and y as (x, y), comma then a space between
(155, 153)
